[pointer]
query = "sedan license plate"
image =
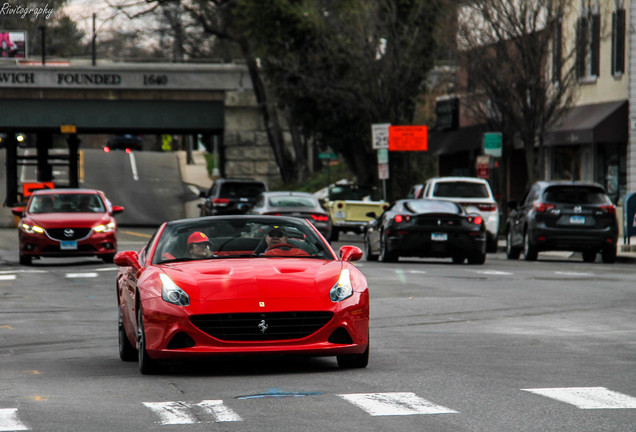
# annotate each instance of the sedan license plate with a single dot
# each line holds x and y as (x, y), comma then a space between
(68, 245)
(439, 236)
(577, 220)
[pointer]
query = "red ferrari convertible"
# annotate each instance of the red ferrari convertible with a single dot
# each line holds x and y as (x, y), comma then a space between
(238, 285)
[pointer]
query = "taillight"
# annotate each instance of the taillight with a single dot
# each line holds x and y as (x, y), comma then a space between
(221, 201)
(128, 151)
(385, 206)
(320, 218)
(477, 220)
(340, 205)
(272, 214)
(106, 149)
(400, 218)
(609, 208)
(487, 207)
(541, 207)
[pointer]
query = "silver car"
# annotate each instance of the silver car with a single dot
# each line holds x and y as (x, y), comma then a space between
(297, 204)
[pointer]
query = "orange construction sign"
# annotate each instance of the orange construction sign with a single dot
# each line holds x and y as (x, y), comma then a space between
(29, 188)
(408, 138)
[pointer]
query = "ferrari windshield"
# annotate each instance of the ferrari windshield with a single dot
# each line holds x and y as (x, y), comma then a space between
(239, 237)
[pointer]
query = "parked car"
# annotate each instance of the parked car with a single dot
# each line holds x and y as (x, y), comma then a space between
(238, 301)
(348, 204)
(126, 143)
(298, 204)
(415, 191)
(67, 222)
(564, 216)
(426, 228)
(230, 196)
(474, 194)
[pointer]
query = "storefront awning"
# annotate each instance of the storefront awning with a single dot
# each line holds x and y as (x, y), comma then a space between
(454, 141)
(595, 123)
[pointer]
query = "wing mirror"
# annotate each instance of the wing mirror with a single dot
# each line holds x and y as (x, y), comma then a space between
(350, 253)
(127, 259)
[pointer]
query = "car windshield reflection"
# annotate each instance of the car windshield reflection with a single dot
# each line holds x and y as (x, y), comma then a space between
(221, 237)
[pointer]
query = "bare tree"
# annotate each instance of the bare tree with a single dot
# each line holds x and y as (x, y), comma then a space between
(516, 71)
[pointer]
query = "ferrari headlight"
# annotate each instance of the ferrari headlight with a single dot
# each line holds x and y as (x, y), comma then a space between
(105, 227)
(343, 288)
(171, 293)
(31, 229)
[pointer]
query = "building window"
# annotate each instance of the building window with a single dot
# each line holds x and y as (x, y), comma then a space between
(618, 42)
(588, 42)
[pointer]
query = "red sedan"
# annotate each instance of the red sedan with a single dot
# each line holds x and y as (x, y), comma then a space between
(67, 222)
(237, 285)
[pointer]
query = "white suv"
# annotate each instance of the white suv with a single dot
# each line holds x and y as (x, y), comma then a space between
(471, 192)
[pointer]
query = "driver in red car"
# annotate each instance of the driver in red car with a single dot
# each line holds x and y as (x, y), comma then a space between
(277, 244)
(199, 246)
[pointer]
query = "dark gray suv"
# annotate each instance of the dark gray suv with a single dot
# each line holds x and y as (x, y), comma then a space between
(562, 216)
(230, 196)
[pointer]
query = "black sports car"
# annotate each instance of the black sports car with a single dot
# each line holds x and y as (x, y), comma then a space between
(426, 228)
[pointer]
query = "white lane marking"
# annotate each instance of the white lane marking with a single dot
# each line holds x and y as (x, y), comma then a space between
(9, 420)
(133, 166)
(581, 274)
(81, 275)
(390, 404)
(7, 277)
(22, 271)
(588, 397)
(183, 413)
(417, 271)
(493, 272)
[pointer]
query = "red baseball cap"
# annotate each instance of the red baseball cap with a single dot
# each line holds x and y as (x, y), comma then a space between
(198, 237)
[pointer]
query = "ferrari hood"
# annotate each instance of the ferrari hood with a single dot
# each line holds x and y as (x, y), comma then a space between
(252, 278)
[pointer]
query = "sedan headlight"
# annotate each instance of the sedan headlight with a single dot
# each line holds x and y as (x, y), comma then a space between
(343, 288)
(171, 293)
(105, 227)
(31, 229)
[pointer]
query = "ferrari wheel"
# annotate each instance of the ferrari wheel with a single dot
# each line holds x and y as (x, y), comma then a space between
(457, 259)
(370, 256)
(385, 254)
(127, 352)
(354, 361)
(477, 258)
(512, 253)
(589, 256)
(147, 366)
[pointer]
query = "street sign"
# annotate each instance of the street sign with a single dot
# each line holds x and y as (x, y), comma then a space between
(493, 143)
(408, 138)
(383, 156)
(380, 135)
(68, 129)
(383, 171)
(483, 167)
(327, 156)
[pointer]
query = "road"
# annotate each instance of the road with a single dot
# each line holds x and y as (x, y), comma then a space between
(507, 346)
(147, 184)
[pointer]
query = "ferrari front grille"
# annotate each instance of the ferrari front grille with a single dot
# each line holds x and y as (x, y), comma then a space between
(261, 326)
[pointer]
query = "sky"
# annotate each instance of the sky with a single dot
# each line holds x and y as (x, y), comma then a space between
(81, 11)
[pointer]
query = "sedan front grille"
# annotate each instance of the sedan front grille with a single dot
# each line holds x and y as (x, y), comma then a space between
(67, 234)
(261, 326)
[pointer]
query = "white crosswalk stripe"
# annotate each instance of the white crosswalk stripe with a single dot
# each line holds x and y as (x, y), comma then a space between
(394, 404)
(81, 275)
(9, 420)
(172, 413)
(588, 397)
(7, 277)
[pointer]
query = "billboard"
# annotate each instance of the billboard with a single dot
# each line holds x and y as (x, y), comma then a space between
(13, 44)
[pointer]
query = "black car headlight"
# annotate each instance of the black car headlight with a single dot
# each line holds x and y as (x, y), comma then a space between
(343, 288)
(171, 293)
